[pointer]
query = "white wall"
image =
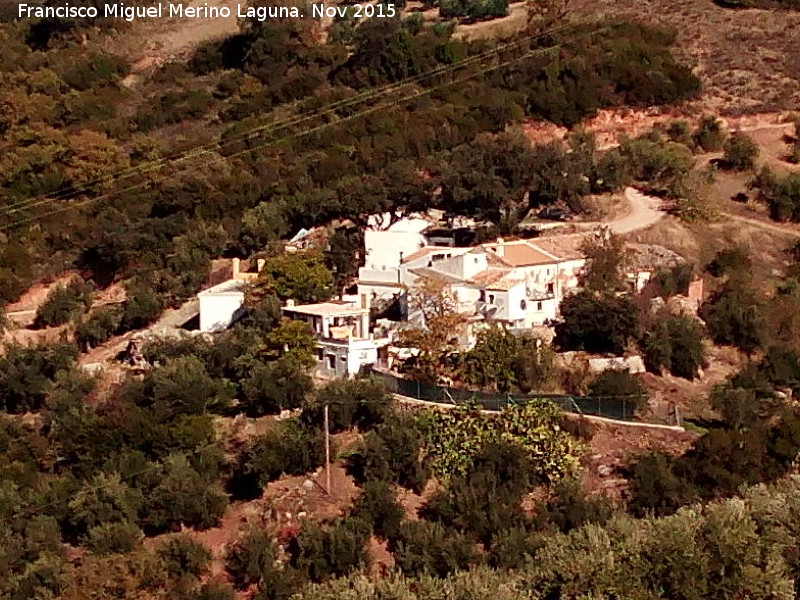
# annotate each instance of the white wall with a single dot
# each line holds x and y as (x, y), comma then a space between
(217, 312)
(384, 248)
(347, 359)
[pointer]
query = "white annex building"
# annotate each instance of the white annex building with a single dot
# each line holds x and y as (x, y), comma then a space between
(345, 343)
(223, 303)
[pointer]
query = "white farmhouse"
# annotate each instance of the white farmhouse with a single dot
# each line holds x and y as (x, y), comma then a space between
(345, 343)
(223, 303)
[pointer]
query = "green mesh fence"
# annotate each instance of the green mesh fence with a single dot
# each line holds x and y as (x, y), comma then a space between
(621, 409)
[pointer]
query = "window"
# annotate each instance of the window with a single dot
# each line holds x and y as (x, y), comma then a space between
(522, 304)
(539, 306)
(319, 354)
(331, 361)
(491, 298)
(483, 296)
(343, 359)
(550, 288)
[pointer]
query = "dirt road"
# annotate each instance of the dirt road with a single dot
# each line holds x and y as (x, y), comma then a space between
(781, 229)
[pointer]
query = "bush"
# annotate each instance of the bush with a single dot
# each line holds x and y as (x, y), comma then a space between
(291, 448)
(362, 403)
(733, 316)
(183, 556)
(424, 548)
(252, 558)
(675, 344)
(709, 134)
(378, 506)
(98, 327)
(741, 152)
(211, 590)
(322, 551)
(275, 386)
(675, 280)
(29, 374)
(569, 508)
(63, 303)
(619, 384)
(114, 538)
(597, 323)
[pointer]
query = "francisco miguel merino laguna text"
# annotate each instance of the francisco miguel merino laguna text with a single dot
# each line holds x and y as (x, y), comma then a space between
(260, 13)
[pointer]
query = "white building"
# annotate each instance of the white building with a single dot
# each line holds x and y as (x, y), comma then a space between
(223, 303)
(518, 283)
(345, 343)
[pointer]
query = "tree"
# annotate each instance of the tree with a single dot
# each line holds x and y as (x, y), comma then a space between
(433, 303)
(741, 152)
(619, 384)
(343, 255)
(323, 551)
(424, 548)
(599, 323)
(733, 315)
(378, 506)
(675, 343)
(301, 276)
(606, 263)
(362, 403)
(252, 558)
(64, 303)
(709, 134)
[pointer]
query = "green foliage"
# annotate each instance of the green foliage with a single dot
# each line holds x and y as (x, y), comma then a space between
(390, 453)
(504, 362)
(663, 166)
(290, 448)
(29, 374)
(322, 551)
(733, 316)
(606, 264)
(361, 403)
(300, 276)
(184, 557)
(674, 280)
(619, 384)
(424, 548)
(473, 9)
(675, 343)
(455, 438)
(377, 505)
(252, 558)
(182, 495)
(569, 508)
(597, 323)
(98, 327)
(780, 194)
(114, 538)
(709, 134)
(64, 303)
(741, 152)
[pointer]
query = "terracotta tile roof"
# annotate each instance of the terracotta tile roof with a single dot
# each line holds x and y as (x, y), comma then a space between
(505, 284)
(489, 276)
(426, 250)
(567, 247)
(523, 254)
(434, 274)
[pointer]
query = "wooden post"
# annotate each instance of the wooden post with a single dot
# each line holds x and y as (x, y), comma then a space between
(327, 453)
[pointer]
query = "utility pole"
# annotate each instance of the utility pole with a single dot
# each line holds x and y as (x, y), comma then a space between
(327, 453)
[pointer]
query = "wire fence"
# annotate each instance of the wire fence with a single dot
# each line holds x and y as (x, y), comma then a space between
(618, 408)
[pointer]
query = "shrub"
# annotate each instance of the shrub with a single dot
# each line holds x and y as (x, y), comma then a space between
(211, 590)
(569, 508)
(183, 556)
(597, 323)
(322, 551)
(182, 495)
(362, 403)
(290, 448)
(29, 374)
(114, 538)
(619, 384)
(733, 316)
(98, 327)
(675, 280)
(424, 548)
(378, 506)
(675, 343)
(252, 558)
(275, 386)
(741, 152)
(63, 303)
(709, 134)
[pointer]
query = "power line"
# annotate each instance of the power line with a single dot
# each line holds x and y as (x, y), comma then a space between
(330, 109)
(217, 159)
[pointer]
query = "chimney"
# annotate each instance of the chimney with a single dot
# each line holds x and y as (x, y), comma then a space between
(260, 264)
(290, 303)
(235, 269)
(501, 251)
